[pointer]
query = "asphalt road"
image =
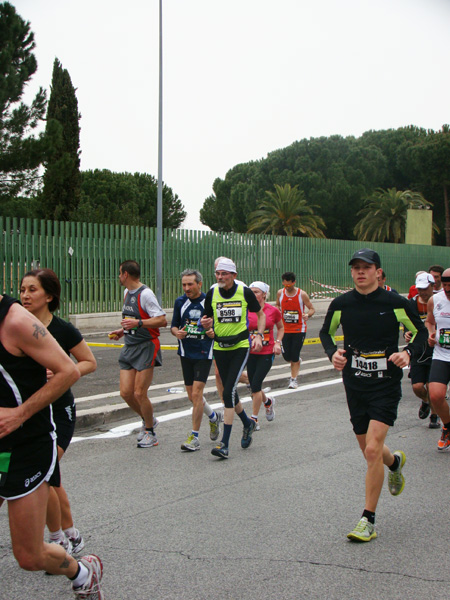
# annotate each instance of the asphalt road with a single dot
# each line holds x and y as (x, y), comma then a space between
(270, 523)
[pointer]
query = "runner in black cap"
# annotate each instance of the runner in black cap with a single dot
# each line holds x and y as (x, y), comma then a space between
(371, 366)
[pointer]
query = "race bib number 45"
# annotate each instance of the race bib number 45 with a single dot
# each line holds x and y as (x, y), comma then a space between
(229, 312)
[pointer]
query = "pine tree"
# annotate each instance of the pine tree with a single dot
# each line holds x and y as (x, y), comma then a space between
(21, 153)
(62, 178)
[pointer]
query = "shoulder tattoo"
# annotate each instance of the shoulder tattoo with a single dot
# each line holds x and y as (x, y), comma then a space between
(39, 330)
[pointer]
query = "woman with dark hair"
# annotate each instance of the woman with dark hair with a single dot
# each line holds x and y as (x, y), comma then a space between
(40, 292)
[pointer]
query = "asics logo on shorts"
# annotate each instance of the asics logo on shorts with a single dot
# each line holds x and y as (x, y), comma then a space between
(31, 479)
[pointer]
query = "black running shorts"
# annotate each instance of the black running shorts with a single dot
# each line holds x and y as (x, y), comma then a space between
(64, 419)
(420, 372)
(440, 371)
(292, 346)
(30, 465)
(373, 405)
(195, 370)
(258, 365)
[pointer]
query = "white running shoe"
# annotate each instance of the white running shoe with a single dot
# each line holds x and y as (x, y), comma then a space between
(293, 384)
(270, 410)
(142, 429)
(191, 444)
(148, 440)
(92, 588)
(214, 426)
(77, 543)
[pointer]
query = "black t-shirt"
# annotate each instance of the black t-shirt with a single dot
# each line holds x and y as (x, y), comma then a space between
(67, 337)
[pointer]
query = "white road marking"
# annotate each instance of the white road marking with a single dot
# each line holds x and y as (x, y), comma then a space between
(123, 430)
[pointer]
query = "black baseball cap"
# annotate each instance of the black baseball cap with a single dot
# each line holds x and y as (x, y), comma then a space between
(367, 255)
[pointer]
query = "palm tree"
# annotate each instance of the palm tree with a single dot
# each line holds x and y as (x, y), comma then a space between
(286, 212)
(384, 215)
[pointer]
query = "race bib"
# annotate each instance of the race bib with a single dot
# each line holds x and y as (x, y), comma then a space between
(444, 338)
(194, 330)
(229, 312)
(265, 339)
(369, 364)
(291, 316)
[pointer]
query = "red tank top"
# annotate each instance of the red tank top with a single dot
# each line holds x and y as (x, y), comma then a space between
(292, 312)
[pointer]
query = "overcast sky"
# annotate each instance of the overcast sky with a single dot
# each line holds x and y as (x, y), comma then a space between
(241, 77)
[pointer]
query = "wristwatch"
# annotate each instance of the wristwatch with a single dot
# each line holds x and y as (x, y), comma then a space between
(140, 323)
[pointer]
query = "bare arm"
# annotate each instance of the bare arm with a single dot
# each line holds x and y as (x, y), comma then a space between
(277, 302)
(279, 338)
(152, 322)
(86, 362)
(430, 323)
(23, 335)
(261, 325)
(309, 306)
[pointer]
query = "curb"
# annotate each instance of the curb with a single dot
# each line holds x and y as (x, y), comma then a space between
(109, 413)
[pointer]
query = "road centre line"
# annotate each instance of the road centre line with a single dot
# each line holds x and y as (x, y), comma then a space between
(124, 430)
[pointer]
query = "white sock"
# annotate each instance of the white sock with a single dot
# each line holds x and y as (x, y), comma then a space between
(82, 576)
(71, 532)
(207, 409)
(57, 536)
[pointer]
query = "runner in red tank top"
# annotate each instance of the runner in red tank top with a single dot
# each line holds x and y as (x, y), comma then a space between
(292, 302)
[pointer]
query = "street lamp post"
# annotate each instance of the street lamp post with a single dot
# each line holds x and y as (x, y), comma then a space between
(159, 212)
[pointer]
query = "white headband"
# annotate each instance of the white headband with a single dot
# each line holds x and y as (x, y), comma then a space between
(225, 264)
(261, 286)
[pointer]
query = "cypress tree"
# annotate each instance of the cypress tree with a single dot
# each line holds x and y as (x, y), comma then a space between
(62, 178)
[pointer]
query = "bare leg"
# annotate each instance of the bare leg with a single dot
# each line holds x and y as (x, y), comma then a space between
(377, 454)
(195, 395)
(26, 522)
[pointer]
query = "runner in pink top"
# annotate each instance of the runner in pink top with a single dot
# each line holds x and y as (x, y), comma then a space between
(259, 363)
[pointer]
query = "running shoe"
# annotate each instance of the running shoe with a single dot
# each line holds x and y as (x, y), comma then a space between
(435, 422)
(148, 440)
(92, 589)
(257, 428)
(77, 543)
(270, 410)
(293, 384)
(396, 481)
(267, 390)
(246, 439)
(214, 427)
(444, 442)
(363, 532)
(142, 430)
(220, 450)
(191, 444)
(424, 410)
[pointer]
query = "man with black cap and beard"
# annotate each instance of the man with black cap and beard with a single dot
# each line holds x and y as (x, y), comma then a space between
(371, 366)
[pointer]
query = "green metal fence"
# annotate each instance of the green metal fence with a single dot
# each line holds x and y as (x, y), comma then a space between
(87, 256)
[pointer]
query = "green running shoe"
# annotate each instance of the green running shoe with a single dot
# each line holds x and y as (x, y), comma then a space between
(396, 481)
(363, 532)
(191, 444)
